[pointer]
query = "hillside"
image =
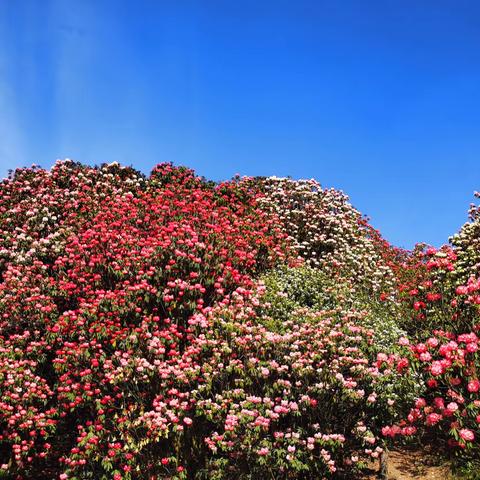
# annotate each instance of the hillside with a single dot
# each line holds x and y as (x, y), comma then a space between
(170, 327)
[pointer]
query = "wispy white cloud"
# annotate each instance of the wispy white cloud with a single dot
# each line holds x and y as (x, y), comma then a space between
(12, 141)
(12, 144)
(74, 25)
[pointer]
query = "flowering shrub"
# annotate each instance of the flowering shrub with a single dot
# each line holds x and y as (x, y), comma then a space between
(168, 327)
(300, 397)
(467, 245)
(105, 281)
(443, 304)
(448, 412)
(433, 296)
(290, 289)
(329, 233)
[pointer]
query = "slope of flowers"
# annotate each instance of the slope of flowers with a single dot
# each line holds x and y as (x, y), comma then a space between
(467, 244)
(329, 233)
(440, 295)
(300, 397)
(168, 327)
(103, 277)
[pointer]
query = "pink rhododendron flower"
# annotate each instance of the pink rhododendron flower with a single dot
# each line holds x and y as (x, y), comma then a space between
(466, 434)
(473, 386)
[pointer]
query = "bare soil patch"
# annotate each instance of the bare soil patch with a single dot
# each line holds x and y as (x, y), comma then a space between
(408, 464)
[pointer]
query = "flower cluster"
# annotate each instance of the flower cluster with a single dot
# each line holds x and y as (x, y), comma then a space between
(329, 233)
(467, 244)
(449, 410)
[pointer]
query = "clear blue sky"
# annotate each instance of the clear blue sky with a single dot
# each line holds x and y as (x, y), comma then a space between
(378, 98)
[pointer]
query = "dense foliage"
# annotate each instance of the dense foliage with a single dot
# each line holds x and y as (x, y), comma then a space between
(168, 327)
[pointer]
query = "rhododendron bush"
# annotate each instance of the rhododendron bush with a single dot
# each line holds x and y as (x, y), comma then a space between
(168, 327)
(443, 303)
(301, 394)
(328, 232)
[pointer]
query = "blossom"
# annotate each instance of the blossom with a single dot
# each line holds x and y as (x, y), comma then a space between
(466, 434)
(473, 386)
(433, 418)
(452, 407)
(436, 368)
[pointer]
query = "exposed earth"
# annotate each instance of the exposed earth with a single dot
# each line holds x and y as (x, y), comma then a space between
(414, 465)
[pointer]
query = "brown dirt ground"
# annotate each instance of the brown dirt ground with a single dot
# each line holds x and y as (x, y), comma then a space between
(413, 465)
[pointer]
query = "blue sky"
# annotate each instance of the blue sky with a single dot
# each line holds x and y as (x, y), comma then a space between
(378, 98)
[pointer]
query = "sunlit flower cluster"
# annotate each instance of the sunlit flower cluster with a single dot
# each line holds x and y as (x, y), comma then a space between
(328, 232)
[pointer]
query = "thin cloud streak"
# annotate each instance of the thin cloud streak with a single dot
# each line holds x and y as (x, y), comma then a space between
(12, 142)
